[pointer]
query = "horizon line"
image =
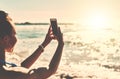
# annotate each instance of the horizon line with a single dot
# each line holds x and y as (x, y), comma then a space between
(41, 23)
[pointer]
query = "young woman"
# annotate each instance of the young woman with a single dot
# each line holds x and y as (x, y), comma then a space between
(7, 43)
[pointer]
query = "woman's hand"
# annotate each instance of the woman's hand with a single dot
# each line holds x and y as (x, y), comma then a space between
(59, 36)
(48, 38)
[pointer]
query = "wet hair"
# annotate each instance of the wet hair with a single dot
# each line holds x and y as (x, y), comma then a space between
(6, 27)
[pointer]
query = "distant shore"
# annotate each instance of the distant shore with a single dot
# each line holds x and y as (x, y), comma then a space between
(29, 23)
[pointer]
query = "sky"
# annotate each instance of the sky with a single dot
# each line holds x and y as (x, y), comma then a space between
(86, 12)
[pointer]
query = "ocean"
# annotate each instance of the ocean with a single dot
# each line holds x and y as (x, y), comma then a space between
(87, 54)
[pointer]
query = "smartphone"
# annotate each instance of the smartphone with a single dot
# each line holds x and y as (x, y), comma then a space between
(54, 25)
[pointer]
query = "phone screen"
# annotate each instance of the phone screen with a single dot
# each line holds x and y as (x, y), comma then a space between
(54, 25)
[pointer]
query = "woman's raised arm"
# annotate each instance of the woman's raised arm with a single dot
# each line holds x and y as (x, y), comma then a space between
(44, 73)
(32, 58)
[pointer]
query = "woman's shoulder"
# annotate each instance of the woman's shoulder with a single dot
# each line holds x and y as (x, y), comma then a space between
(13, 72)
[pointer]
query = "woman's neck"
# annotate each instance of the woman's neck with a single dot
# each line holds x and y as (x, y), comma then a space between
(2, 56)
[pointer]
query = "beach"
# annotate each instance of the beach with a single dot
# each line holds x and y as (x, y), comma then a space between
(87, 54)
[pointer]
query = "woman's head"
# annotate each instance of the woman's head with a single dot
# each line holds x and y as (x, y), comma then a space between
(7, 32)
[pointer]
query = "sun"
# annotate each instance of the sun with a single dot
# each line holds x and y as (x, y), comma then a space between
(97, 22)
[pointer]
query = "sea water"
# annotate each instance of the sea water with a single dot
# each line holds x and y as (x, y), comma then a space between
(87, 54)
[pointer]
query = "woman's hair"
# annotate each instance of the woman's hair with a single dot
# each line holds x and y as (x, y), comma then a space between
(6, 27)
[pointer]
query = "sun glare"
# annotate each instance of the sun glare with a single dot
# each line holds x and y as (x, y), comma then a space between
(98, 22)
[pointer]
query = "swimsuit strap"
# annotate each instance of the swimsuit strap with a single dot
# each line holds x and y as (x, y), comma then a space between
(4, 62)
